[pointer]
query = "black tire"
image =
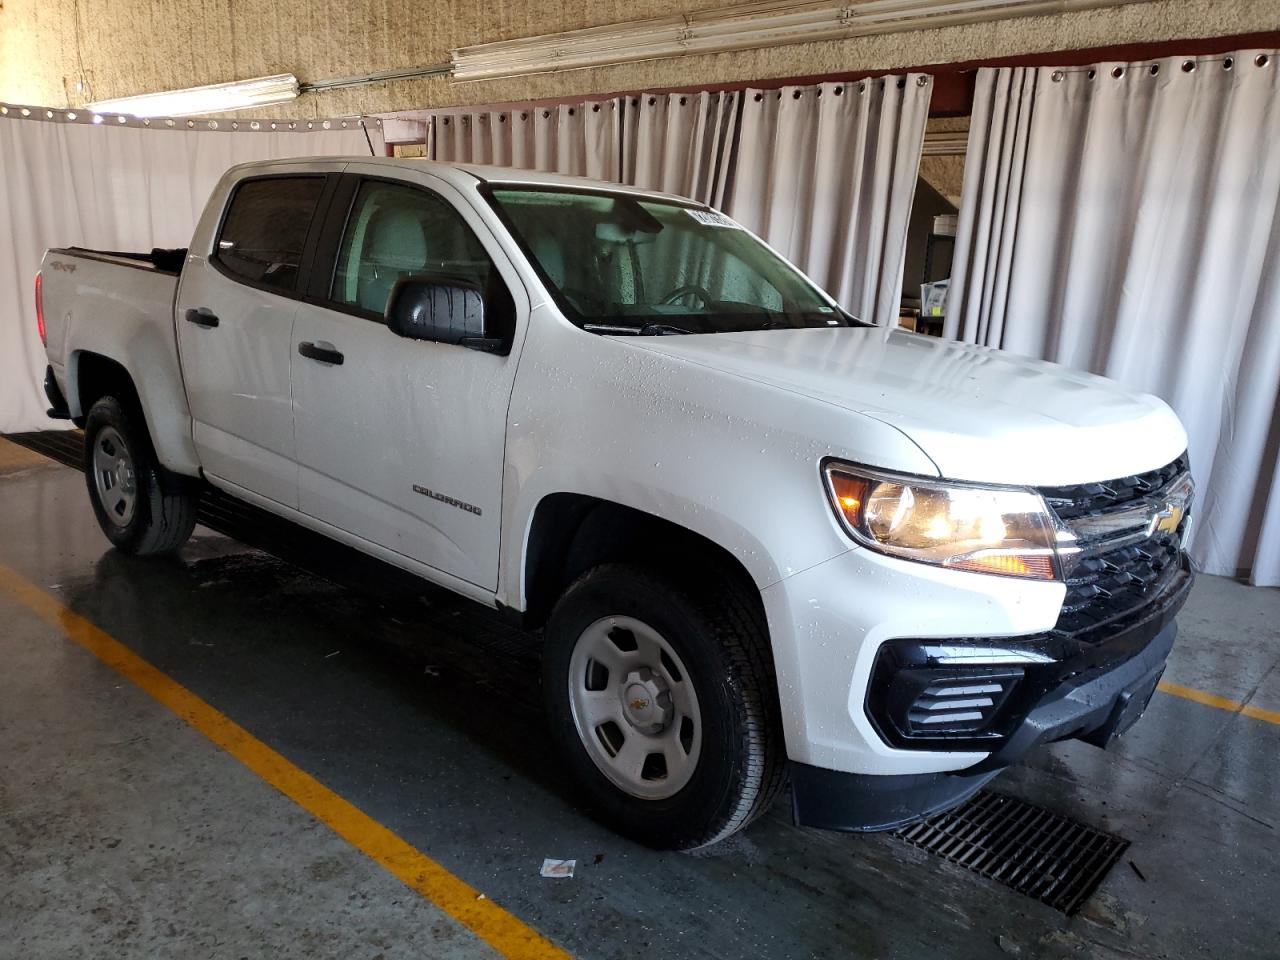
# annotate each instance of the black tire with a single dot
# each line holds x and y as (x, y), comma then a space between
(719, 635)
(164, 504)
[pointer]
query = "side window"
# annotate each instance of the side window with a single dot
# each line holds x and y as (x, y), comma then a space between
(266, 227)
(395, 231)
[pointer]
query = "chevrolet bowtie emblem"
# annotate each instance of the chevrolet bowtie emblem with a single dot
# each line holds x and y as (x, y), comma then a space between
(1168, 517)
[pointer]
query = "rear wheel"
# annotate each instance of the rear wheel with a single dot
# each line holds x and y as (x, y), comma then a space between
(140, 506)
(663, 703)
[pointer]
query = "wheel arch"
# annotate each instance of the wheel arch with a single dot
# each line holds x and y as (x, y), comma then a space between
(571, 532)
(92, 376)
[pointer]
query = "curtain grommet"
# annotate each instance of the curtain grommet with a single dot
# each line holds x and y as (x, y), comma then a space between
(921, 80)
(1228, 63)
(1154, 69)
(758, 97)
(838, 91)
(1092, 74)
(1261, 60)
(683, 101)
(1057, 76)
(146, 121)
(1188, 66)
(1117, 72)
(595, 108)
(796, 95)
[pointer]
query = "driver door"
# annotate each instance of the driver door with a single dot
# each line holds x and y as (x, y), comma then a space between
(401, 442)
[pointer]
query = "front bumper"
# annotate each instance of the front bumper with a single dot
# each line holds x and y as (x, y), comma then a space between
(1094, 688)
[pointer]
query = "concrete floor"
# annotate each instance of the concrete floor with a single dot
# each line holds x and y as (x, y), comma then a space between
(125, 833)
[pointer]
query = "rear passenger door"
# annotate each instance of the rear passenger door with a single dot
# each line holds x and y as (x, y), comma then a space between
(401, 442)
(234, 321)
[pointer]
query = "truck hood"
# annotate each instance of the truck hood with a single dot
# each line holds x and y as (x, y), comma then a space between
(978, 413)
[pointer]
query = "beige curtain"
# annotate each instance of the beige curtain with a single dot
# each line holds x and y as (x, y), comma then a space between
(1125, 219)
(826, 174)
(681, 143)
(579, 139)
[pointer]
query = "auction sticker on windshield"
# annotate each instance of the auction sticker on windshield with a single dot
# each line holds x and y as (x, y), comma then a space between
(712, 219)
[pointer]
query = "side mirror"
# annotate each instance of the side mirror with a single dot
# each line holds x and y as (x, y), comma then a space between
(442, 311)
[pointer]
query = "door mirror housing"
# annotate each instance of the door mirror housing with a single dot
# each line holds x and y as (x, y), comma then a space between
(441, 311)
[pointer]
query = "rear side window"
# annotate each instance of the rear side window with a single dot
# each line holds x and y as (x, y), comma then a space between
(266, 227)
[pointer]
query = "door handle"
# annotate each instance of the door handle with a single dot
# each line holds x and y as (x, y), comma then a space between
(202, 317)
(323, 352)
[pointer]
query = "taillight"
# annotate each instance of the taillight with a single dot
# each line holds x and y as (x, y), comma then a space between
(44, 337)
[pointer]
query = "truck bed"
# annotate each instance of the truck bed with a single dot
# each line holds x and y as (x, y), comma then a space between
(118, 306)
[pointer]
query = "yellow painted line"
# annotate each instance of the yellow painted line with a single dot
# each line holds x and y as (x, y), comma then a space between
(1222, 703)
(503, 931)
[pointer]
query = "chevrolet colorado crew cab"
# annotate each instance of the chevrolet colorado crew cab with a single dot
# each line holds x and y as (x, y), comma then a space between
(764, 542)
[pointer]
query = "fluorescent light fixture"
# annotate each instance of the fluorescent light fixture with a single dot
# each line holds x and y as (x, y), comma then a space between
(214, 98)
(745, 26)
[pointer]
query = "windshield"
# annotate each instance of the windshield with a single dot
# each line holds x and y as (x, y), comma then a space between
(624, 264)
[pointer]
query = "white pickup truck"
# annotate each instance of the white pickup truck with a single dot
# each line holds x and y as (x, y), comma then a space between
(764, 542)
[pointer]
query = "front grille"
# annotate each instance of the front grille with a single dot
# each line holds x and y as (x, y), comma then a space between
(1109, 583)
(1085, 499)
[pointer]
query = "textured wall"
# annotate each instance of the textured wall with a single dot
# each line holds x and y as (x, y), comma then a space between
(123, 47)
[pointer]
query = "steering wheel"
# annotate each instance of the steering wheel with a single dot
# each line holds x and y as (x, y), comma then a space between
(689, 289)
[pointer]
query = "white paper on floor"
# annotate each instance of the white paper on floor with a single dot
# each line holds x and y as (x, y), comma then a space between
(558, 869)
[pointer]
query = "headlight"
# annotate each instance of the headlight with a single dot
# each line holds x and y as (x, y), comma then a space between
(982, 529)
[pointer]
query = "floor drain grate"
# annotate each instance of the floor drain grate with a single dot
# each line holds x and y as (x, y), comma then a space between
(1056, 860)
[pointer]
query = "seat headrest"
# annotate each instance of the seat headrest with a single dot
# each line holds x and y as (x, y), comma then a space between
(398, 240)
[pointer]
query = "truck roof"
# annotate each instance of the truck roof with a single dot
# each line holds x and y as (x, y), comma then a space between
(465, 174)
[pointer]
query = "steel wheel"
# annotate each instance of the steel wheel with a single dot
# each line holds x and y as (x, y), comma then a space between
(113, 476)
(635, 708)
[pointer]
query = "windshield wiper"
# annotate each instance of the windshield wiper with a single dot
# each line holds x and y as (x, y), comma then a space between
(660, 330)
(644, 330)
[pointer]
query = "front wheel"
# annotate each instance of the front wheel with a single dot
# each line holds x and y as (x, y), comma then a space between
(140, 506)
(663, 702)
